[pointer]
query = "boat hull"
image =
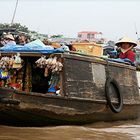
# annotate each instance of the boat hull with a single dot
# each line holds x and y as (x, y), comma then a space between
(38, 110)
(89, 87)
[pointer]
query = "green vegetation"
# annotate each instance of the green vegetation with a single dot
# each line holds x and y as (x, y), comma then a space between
(56, 36)
(16, 26)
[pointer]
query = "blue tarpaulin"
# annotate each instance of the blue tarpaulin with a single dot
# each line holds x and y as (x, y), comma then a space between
(119, 60)
(34, 46)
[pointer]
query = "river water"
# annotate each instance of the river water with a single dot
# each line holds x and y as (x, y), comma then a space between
(120, 130)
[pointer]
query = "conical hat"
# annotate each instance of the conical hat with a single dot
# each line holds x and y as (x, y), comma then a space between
(125, 40)
(9, 36)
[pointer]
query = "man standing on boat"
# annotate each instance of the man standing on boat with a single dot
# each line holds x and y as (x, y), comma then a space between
(126, 44)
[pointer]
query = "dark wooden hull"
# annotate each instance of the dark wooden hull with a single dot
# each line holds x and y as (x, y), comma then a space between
(84, 81)
(6, 92)
(40, 110)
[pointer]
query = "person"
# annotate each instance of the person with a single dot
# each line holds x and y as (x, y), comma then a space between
(21, 39)
(126, 45)
(65, 47)
(9, 40)
(46, 41)
(71, 48)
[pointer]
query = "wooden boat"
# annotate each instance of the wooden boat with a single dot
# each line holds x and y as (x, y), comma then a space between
(91, 89)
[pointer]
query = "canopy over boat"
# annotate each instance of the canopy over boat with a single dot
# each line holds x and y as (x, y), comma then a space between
(34, 46)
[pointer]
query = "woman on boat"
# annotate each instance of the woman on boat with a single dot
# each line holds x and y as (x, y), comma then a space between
(126, 45)
(9, 40)
(21, 39)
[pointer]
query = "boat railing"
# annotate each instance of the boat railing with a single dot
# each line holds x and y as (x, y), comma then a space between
(102, 59)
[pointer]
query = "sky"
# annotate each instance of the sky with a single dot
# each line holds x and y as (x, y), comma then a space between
(114, 18)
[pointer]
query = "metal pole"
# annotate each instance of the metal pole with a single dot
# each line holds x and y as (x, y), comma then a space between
(136, 31)
(14, 12)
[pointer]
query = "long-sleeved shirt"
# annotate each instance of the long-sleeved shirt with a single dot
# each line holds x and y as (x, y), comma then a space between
(129, 54)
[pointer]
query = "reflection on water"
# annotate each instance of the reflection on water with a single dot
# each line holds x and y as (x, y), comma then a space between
(125, 130)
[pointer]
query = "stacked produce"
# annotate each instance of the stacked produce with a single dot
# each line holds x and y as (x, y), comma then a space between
(10, 62)
(6, 62)
(49, 64)
(41, 62)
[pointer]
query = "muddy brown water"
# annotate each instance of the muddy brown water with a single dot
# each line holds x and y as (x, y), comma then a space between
(120, 130)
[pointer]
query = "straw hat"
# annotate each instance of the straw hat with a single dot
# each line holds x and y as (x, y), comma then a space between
(9, 36)
(125, 40)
